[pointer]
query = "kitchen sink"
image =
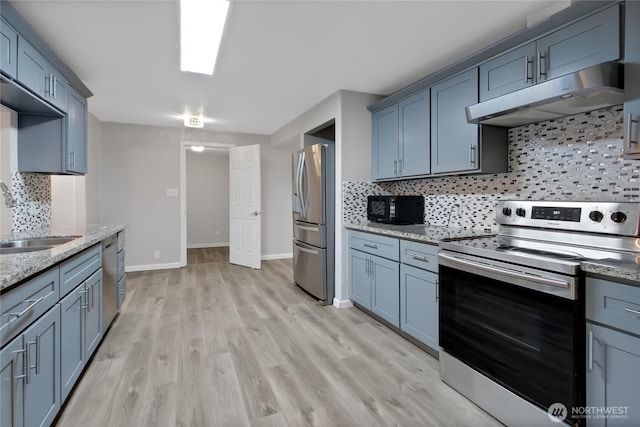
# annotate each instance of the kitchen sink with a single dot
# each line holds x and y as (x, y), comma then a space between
(33, 244)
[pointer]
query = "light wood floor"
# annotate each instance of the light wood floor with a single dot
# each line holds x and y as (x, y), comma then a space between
(215, 344)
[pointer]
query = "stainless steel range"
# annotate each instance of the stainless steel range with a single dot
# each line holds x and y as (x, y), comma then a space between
(512, 321)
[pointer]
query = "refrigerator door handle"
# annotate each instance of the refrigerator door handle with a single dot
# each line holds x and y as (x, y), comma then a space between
(304, 197)
(297, 188)
(309, 251)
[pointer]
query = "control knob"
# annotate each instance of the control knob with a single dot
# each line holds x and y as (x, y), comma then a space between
(506, 211)
(596, 216)
(521, 212)
(618, 217)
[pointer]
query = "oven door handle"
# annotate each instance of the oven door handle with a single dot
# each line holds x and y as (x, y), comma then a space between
(472, 265)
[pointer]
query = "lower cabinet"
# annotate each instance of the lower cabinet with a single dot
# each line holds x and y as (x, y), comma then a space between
(30, 372)
(419, 304)
(81, 321)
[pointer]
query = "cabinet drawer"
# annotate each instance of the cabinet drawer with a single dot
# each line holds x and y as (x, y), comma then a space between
(24, 304)
(77, 269)
(383, 246)
(613, 304)
(420, 255)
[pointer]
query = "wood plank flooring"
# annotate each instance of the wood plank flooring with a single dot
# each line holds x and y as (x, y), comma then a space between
(215, 344)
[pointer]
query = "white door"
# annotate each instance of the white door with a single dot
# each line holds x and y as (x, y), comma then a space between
(244, 198)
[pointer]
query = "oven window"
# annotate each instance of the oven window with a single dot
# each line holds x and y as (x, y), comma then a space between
(522, 339)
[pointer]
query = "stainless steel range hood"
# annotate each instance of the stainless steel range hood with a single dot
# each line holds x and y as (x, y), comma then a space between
(586, 90)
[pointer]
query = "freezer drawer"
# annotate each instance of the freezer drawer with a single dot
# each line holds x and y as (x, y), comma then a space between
(310, 269)
(313, 234)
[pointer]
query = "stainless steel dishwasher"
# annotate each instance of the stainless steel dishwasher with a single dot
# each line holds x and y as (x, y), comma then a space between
(109, 278)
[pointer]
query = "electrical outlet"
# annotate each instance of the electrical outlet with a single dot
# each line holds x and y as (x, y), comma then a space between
(156, 254)
(172, 192)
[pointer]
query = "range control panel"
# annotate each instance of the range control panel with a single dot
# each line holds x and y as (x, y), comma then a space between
(619, 218)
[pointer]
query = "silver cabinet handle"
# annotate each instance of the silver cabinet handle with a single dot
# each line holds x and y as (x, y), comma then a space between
(437, 290)
(590, 350)
(72, 155)
(632, 311)
(366, 266)
(400, 167)
(526, 69)
(367, 245)
(472, 154)
(27, 364)
(33, 303)
(419, 258)
(38, 354)
(93, 293)
(55, 92)
(542, 71)
(627, 134)
(395, 167)
(84, 300)
(24, 363)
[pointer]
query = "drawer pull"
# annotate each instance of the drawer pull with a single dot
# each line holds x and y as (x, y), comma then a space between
(590, 350)
(419, 258)
(33, 303)
(371, 246)
(636, 312)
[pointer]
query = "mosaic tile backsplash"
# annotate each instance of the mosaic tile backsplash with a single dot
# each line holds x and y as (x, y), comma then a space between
(33, 194)
(573, 158)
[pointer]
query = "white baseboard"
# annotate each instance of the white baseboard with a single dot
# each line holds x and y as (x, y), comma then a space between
(206, 245)
(276, 256)
(345, 303)
(148, 267)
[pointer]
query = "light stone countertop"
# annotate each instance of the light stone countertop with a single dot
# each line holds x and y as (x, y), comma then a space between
(16, 267)
(627, 269)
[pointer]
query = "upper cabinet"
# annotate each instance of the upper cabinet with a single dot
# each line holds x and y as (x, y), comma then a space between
(632, 81)
(36, 74)
(585, 43)
(454, 146)
(8, 49)
(400, 139)
(76, 147)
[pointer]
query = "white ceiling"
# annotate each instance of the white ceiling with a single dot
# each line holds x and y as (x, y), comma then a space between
(277, 59)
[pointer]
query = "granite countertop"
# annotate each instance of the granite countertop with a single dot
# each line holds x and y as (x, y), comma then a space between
(17, 267)
(627, 269)
(424, 233)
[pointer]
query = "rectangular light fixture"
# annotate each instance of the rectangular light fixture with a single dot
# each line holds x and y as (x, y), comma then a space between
(201, 26)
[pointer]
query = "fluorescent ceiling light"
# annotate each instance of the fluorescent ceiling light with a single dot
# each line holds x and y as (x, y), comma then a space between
(201, 25)
(193, 122)
(197, 148)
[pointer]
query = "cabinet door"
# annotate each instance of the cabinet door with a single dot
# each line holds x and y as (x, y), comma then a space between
(58, 89)
(42, 385)
(415, 138)
(509, 72)
(612, 374)
(94, 312)
(385, 298)
(631, 127)
(385, 137)
(8, 49)
(454, 142)
(588, 42)
(72, 347)
(419, 304)
(360, 278)
(32, 68)
(76, 149)
(12, 384)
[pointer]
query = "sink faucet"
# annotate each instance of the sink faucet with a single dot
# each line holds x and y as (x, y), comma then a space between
(9, 200)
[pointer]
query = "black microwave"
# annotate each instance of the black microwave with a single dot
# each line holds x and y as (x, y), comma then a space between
(396, 209)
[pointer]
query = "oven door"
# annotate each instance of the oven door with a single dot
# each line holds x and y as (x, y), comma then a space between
(524, 339)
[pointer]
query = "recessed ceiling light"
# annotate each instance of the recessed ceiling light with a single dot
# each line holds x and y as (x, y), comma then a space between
(201, 26)
(197, 148)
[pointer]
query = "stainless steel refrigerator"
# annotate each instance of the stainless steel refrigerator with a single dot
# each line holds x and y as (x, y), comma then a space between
(313, 221)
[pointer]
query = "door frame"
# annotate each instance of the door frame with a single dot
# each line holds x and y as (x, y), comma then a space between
(184, 146)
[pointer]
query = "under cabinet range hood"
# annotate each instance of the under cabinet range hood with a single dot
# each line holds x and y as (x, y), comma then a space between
(596, 87)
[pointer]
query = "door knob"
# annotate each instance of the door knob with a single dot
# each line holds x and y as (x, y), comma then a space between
(255, 213)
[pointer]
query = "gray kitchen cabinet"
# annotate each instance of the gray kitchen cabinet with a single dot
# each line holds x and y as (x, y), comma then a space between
(401, 139)
(359, 281)
(8, 49)
(385, 138)
(631, 128)
(42, 369)
(419, 292)
(38, 75)
(612, 311)
(454, 142)
(385, 292)
(76, 134)
(12, 384)
(588, 42)
(81, 327)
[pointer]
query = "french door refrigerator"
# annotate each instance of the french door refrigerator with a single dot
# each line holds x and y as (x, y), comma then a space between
(313, 221)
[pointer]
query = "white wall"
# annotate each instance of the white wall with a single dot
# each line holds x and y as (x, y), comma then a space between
(139, 163)
(68, 202)
(353, 154)
(92, 178)
(207, 198)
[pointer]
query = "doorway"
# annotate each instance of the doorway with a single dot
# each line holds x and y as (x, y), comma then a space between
(204, 200)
